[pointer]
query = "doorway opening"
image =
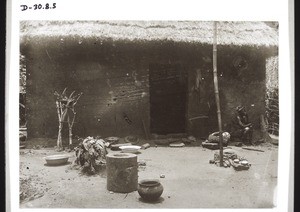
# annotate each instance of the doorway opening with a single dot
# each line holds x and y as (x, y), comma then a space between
(168, 98)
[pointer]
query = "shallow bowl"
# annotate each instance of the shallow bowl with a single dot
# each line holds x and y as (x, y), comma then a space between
(54, 160)
(244, 162)
(130, 149)
(236, 160)
(112, 140)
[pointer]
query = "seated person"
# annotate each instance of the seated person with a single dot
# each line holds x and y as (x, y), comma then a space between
(241, 127)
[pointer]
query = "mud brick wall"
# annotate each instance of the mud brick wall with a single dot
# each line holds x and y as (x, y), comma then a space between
(114, 79)
(114, 87)
(242, 86)
(237, 86)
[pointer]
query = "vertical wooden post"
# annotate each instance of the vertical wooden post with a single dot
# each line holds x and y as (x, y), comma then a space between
(215, 72)
(70, 130)
(63, 105)
(70, 124)
(59, 137)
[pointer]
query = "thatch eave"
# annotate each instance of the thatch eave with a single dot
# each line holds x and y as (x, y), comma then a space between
(255, 34)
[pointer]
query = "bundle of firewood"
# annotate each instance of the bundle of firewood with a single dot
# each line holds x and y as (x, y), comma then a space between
(91, 154)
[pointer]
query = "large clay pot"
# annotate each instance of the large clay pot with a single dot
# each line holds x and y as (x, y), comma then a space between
(150, 190)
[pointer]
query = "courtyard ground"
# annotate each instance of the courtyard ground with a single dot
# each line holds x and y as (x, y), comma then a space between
(189, 182)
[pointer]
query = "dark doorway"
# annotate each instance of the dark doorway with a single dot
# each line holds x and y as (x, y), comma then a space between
(168, 95)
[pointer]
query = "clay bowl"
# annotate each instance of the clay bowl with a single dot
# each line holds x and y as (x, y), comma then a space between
(56, 160)
(244, 162)
(112, 140)
(150, 190)
(130, 149)
(274, 138)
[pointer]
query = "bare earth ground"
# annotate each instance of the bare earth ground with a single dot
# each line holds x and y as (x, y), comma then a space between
(190, 181)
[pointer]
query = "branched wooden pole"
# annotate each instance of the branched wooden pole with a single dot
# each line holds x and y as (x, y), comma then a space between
(74, 102)
(71, 128)
(64, 105)
(59, 139)
(70, 131)
(61, 111)
(217, 93)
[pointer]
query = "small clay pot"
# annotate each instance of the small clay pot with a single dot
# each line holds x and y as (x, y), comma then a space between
(150, 190)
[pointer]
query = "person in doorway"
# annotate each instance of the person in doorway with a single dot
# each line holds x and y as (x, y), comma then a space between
(242, 129)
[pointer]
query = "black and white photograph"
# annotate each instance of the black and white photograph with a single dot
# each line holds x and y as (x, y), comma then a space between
(130, 113)
(139, 113)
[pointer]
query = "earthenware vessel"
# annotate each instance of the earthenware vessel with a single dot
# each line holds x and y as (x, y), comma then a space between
(55, 160)
(150, 190)
(130, 149)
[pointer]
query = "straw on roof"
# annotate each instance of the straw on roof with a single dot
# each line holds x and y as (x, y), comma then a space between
(229, 33)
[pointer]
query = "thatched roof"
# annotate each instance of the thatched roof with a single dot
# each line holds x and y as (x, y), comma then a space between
(229, 33)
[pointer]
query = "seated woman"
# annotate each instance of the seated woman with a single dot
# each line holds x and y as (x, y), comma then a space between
(241, 127)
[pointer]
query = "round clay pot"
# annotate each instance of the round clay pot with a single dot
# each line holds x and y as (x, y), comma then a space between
(150, 190)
